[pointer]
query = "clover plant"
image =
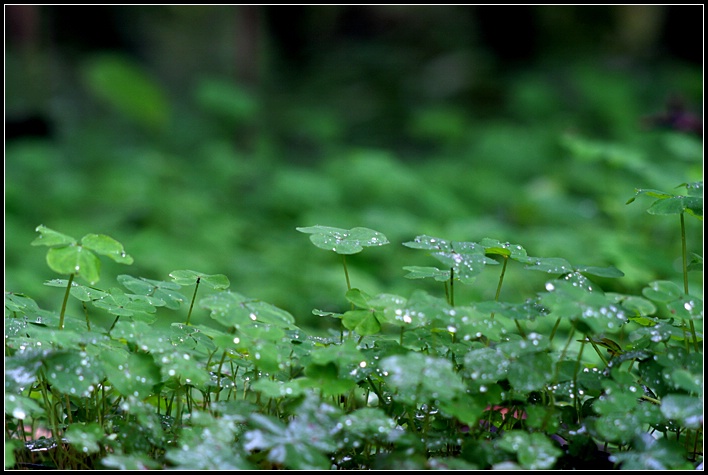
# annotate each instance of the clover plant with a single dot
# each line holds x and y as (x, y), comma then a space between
(423, 381)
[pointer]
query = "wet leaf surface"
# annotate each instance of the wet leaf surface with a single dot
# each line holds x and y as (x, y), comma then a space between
(344, 241)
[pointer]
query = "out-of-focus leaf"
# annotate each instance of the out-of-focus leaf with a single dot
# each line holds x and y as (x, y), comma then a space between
(534, 451)
(685, 410)
(127, 88)
(85, 437)
(131, 374)
(74, 373)
(662, 291)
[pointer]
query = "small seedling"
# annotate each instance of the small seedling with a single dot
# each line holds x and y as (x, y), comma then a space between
(67, 256)
(344, 241)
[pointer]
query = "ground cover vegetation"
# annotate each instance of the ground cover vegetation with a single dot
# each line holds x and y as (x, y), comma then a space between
(337, 269)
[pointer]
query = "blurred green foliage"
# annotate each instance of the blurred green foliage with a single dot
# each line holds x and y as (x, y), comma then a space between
(197, 152)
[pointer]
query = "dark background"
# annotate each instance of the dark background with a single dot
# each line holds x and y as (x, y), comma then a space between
(201, 136)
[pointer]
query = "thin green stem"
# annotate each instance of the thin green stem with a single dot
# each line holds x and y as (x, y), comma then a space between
(114, 324)
(553, 331)
(501, 280)
(88, 323)
(349, 287)
(570, 339)
(577, 401)
(346, 272)
(452, 288)
(684, 264)
(66, 299)
(191, 305)
(218, 374)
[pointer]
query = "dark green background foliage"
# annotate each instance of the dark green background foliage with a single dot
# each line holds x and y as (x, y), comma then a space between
(200, 137)
(206, 137)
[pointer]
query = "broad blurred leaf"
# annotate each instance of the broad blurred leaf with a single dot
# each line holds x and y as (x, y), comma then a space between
(278, 389)
(344, 355)
(183, 367)
(685, 410)
(132, 374)
(85, 437)
(486, 365)
(639, 306)
(369, 423)
(126, 86)
(648, 453)
(565, 300)
(227, 100)
(419, 310)
(531, 372)
(325, 378)
(416, 378)
(207, 444)
(686, 307)
(138, 461)
(74, 373)
(534, 451)
(21, 369)
(688, 381)
(662, 291)
(21, 407)
(302, 443)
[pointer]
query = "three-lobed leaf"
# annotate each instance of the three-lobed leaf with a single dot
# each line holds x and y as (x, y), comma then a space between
(66, 256)
(668, 203)
(344, 241)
